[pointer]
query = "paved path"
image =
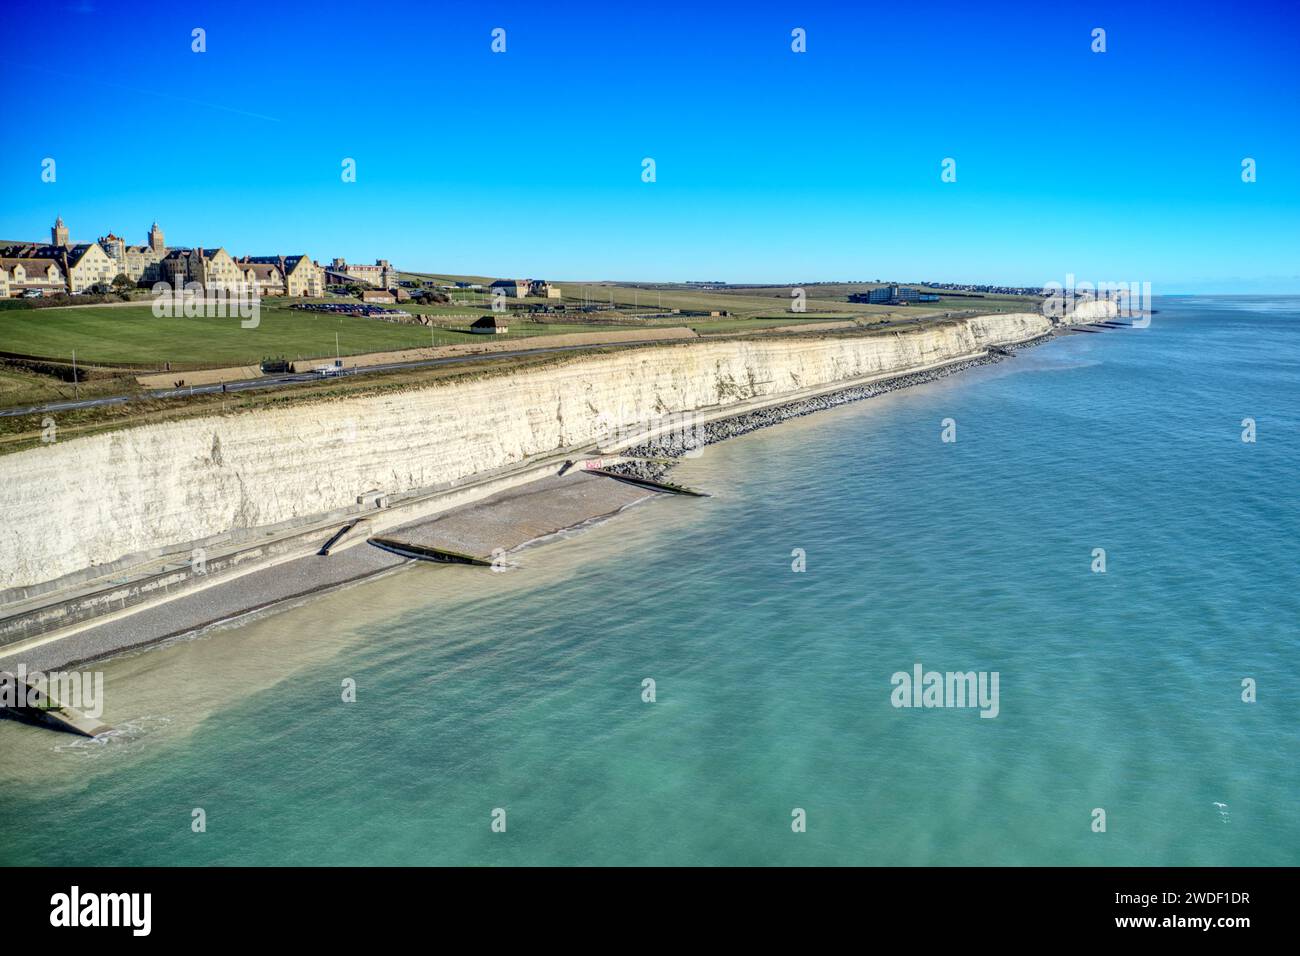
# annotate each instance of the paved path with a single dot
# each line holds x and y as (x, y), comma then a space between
(504, 520)
(221, 601)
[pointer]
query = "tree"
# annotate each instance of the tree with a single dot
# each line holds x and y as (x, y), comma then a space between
(122, 285)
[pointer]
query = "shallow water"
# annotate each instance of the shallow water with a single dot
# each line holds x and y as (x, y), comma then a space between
(523, 690)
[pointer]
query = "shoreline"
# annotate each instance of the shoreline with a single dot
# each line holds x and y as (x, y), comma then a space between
(677, 444)
(300, 579)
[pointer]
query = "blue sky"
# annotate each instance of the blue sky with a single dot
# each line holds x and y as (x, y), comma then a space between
(771, 165)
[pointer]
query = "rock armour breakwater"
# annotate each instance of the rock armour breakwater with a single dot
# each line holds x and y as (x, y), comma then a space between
(674, 445)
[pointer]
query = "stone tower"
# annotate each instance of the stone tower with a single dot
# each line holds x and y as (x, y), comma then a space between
(156, 239)
(59, 233)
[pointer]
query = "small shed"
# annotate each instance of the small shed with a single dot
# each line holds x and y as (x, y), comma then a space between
(490, 325)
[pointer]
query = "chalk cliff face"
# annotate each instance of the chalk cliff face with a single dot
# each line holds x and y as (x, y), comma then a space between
(1095, 310)
(84, 502)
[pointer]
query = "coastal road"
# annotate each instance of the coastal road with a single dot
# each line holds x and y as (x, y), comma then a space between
(298, 378)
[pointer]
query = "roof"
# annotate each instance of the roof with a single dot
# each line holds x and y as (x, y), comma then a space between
(288, 263)
(489, 322)
(76, 253)
(32, 250)
(28, 262)
(24, 250)
(186, 253)
(263, 270)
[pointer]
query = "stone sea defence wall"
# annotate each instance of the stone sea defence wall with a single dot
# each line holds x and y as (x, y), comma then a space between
(88, 501)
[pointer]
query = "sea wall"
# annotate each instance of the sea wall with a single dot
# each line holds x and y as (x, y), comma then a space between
(88, 501)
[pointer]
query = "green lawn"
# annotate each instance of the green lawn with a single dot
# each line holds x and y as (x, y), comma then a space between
(131, 334)
(743, 302)
(740, 305)
(713, 326)
(21, 387)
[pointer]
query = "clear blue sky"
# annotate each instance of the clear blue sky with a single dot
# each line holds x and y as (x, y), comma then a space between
(772, 166)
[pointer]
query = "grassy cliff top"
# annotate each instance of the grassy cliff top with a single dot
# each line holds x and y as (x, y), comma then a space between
(25, 431)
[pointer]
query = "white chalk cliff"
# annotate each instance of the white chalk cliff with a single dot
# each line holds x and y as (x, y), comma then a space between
(84, 502)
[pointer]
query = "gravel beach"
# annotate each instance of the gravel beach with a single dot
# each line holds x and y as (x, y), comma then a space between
(675, 444)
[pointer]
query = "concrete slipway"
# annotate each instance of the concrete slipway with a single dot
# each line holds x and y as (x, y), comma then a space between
(475, 533)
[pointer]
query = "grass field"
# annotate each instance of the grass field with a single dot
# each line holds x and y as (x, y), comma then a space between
(21, 387)
(131, 334)
(751, 304)
(828, 300)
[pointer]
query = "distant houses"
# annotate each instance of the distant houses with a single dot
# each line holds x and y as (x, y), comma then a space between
(378, 296)
(214, 269)
(892, 295)
(513, 288)
(30, 275)
(302, 276)
(140, 264)
(381, 275)
(64, 266)
(78, 266)
(521, 288)
(266, 277)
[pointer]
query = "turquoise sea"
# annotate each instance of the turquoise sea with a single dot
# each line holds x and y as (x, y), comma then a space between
(523, 690)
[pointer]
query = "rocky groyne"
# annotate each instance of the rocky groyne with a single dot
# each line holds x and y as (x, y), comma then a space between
(655, 458)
